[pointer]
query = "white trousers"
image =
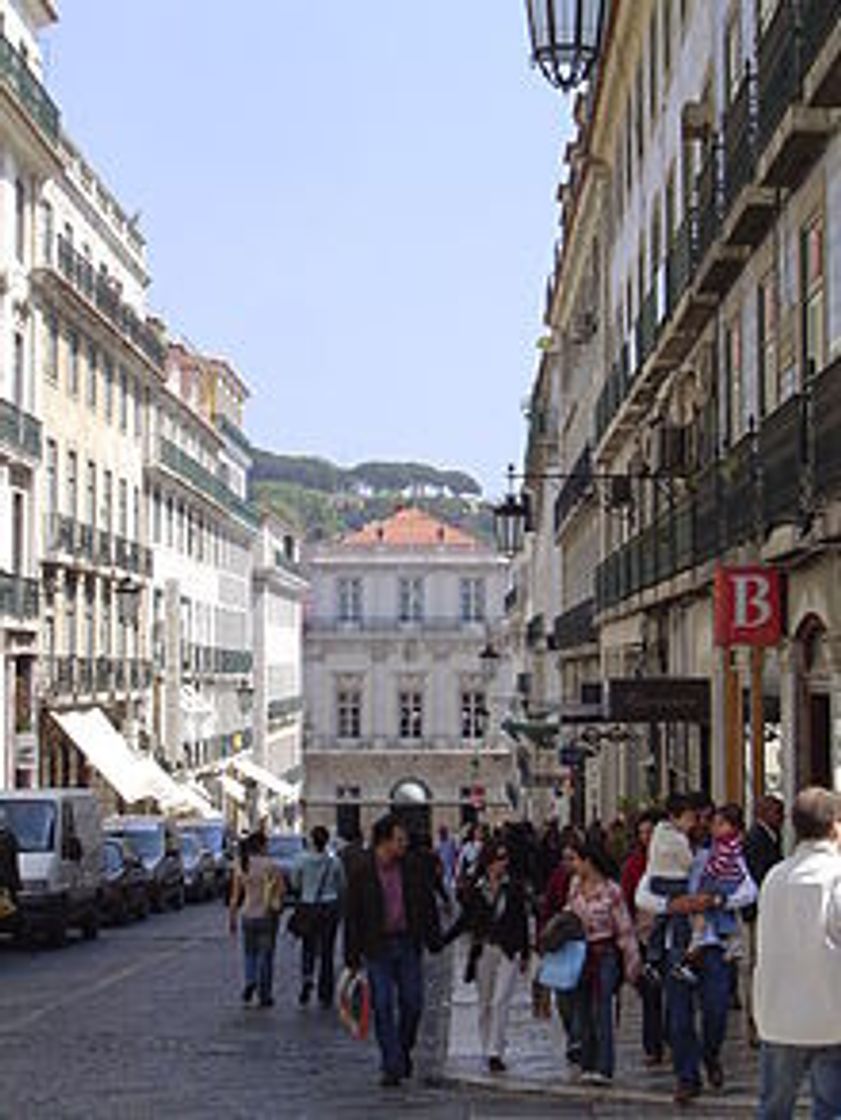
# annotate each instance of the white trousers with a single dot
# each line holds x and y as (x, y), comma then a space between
(496, 977)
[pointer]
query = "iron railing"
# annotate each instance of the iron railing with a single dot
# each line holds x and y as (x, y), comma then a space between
(779, 55)
(19, 431)
(18, 596)
(204, 480)
(16, 75)
(740, 131)
(575, 627)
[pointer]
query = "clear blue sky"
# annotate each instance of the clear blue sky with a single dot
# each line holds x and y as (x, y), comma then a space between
(352, 201)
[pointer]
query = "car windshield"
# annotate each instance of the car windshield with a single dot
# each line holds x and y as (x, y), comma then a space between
(189, 846)
(112, 857)
(285, 847)
(32, 822)
(147, 843)
(210, 836)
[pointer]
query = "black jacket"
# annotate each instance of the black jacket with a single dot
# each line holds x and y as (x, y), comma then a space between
(504, 924)
(9, 871)
(365, 911)
(763, 848)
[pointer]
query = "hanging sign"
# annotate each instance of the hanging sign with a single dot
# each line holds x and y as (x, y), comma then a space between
(748, 606)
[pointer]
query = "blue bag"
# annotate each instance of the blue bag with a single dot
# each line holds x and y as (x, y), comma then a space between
(562, 969)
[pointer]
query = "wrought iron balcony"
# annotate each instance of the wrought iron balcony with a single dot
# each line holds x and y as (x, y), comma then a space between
(826, 421)
(119, 667)
(18, 597)
(647, 326)
(710, 196)
(64, 678)
(16, 75)
(104, 551)
(61, 534)
(84, 675)
(740, 135)
(575, 487)
(19, 432)
(97, 289)
(680, 263)
(103, 674)
(782, 459)
(780, 60)
(184, 465)
(575, 626)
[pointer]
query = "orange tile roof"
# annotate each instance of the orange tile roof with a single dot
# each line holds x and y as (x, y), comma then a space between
(410, 527)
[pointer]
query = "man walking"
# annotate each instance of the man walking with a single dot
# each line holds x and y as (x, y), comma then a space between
(797, 983)
(390, 917)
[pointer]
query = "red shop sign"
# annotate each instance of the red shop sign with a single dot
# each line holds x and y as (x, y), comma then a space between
(748, 606)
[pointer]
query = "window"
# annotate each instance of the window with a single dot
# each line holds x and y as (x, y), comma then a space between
(90, 511)
(91, 394)
(20, 220)
(46, 233)
(812, 272)
(52, 478)
(629, 146)
(73, 363)
(190, 532)
(89, 623)
(108, 378)
(138, 408)
(618, 179)
(108, 502)
(349, 713)
(473, 714)
(349, 594)
(72, 483)
(411, 714)
(472, 599)
(19, 371)
(766, 312)
(105, 622)
(410, 604)
(51, 346)
(170, 522)
(640, 111)
(70, 617)
(123, 508)
(653, 63)
(123, 400)
(671, 210)
(180, 528)
(156, 517)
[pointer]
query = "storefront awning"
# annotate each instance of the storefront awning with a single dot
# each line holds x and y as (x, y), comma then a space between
(106, 750)
(246, 767)
(232, 788)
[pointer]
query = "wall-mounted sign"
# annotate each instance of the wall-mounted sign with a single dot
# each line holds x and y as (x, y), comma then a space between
(748, 606)
(658, 699)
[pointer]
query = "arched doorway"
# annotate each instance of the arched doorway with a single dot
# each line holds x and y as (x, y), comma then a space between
(411, 799)
(813, 759)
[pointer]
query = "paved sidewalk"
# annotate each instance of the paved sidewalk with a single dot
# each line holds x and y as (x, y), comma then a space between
(536, 1063)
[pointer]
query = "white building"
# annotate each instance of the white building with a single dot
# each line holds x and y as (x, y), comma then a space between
(400, 709)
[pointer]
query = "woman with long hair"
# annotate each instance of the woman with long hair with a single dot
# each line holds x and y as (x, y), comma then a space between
(257, 892)
(612, 953)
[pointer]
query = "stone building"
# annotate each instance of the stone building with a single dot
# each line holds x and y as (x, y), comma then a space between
(401, 709)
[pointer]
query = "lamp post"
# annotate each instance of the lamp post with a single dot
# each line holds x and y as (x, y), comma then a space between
(565, 38)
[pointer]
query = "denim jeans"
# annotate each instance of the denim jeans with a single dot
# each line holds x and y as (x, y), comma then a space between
(781, 1072)
(713, 993)
(319, 948)
(651, 992)
(592, 1012)
(396, 981)
(258, 940)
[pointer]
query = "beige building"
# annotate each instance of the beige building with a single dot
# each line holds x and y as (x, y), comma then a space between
(400, 708)
(702, 253)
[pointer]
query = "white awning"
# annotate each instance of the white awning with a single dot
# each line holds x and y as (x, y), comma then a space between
(194, 704)
(248, 768)
(234, 789)
(106, 749)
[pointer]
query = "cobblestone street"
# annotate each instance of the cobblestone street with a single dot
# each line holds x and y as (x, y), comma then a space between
(146, 1022)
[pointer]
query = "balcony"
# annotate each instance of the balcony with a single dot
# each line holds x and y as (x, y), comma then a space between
(18, 598)
(104, 551)
(97, 290)
(28, 91)
(20, 433)
(284, 709)
(782, 457)
(826, 429)
(575, 627)
(64, 675)
(60, 535)
(84, 675)
(199, 477)
(576, 486)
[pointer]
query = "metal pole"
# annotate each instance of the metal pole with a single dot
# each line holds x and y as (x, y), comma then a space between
(757, 723)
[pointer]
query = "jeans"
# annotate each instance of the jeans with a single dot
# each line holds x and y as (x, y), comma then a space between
(258, 940)
(781, 1072)
(591, 1012)
(651, 991)
(320, 948)
(396, 981)
(714, 994)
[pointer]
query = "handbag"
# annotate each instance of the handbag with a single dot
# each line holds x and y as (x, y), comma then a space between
(306, 917)
(562, 969)
(7, 904)
(355, 1003)
(562, 927)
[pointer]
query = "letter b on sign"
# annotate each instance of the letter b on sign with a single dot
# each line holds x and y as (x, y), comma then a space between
(747, 606)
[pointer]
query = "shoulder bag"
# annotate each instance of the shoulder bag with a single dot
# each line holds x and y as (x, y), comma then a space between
(306, 917)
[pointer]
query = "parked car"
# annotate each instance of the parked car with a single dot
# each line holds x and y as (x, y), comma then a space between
(284, 849)
(59, 837)
(126, 883)
(199, 868)
(214, 835)
(157, 843)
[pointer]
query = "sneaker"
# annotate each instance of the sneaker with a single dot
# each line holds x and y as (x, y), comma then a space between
(686, 1092)
(652, 1060)
(593, 1077)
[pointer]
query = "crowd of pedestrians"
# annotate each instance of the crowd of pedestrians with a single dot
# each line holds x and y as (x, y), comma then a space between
(676, 904)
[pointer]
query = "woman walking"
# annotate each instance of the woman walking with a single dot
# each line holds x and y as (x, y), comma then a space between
(257, 893)
(319, 881)
(495, 915)
(611, 952)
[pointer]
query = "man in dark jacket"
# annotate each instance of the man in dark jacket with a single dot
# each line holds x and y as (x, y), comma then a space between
(391, 916)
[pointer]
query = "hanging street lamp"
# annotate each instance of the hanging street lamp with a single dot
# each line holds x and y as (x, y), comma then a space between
(565, 38)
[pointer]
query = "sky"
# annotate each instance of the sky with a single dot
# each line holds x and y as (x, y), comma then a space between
(352, 202)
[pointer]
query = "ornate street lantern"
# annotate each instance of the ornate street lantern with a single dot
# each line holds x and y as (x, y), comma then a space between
(565, 38)
(245, 695)
(510, 518)
(128, 601)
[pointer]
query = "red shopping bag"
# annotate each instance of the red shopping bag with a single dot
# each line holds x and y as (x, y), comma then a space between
(354, 1003)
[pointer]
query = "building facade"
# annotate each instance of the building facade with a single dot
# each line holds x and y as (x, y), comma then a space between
(698, 283)
(401, 709)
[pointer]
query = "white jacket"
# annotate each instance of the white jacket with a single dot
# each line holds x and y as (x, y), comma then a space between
(797, 982)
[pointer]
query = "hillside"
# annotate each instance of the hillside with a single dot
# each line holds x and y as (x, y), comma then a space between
(325, 500)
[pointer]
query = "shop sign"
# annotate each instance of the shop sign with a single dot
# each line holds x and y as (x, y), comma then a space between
(658, 700)
(748, 606)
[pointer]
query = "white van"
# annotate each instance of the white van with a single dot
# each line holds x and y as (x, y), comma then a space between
(59, 837)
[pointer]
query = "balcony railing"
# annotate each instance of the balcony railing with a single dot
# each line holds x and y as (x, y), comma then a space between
(19, 431)
(740, 133)
(710, 196)
(97, 289)
(574, 488)
(18, 596)
(84, 675)
(16, 75)
(825, 415)
(285, 708)
(680, 263)
(782, 454)
(575, 627)
(104, 674)
(780, 57)
(200, 477)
